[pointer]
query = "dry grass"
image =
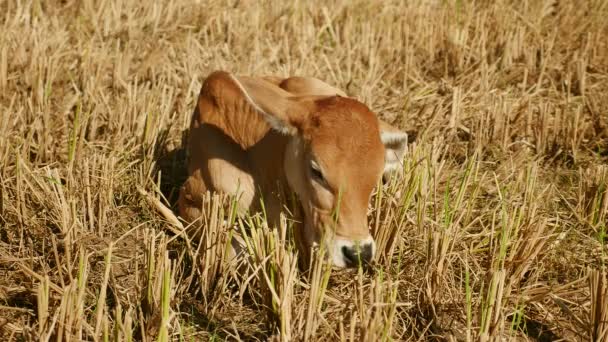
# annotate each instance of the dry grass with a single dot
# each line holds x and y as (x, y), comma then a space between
(497, 229)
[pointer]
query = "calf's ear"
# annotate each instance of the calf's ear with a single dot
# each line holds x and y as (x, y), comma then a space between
(278, 107)
(395, 144)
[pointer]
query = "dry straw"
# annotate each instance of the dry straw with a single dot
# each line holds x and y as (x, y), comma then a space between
(496, 229)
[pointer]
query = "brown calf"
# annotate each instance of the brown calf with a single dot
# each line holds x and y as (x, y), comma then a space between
(255, 137)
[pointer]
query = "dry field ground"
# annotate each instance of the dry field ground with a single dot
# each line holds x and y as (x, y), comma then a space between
(496, 231)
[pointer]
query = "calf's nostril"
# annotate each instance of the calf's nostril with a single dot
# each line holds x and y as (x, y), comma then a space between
(367, 253)
(350, 255)
(358, 254)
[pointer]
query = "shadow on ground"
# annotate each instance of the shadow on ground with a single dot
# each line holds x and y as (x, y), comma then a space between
(171, 163)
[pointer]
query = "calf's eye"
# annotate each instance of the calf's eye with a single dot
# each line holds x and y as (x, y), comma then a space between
(316, 173)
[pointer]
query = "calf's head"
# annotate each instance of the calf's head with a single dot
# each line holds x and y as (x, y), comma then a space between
(337, 152)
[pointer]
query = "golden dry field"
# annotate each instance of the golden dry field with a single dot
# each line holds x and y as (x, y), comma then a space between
(496, 231)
